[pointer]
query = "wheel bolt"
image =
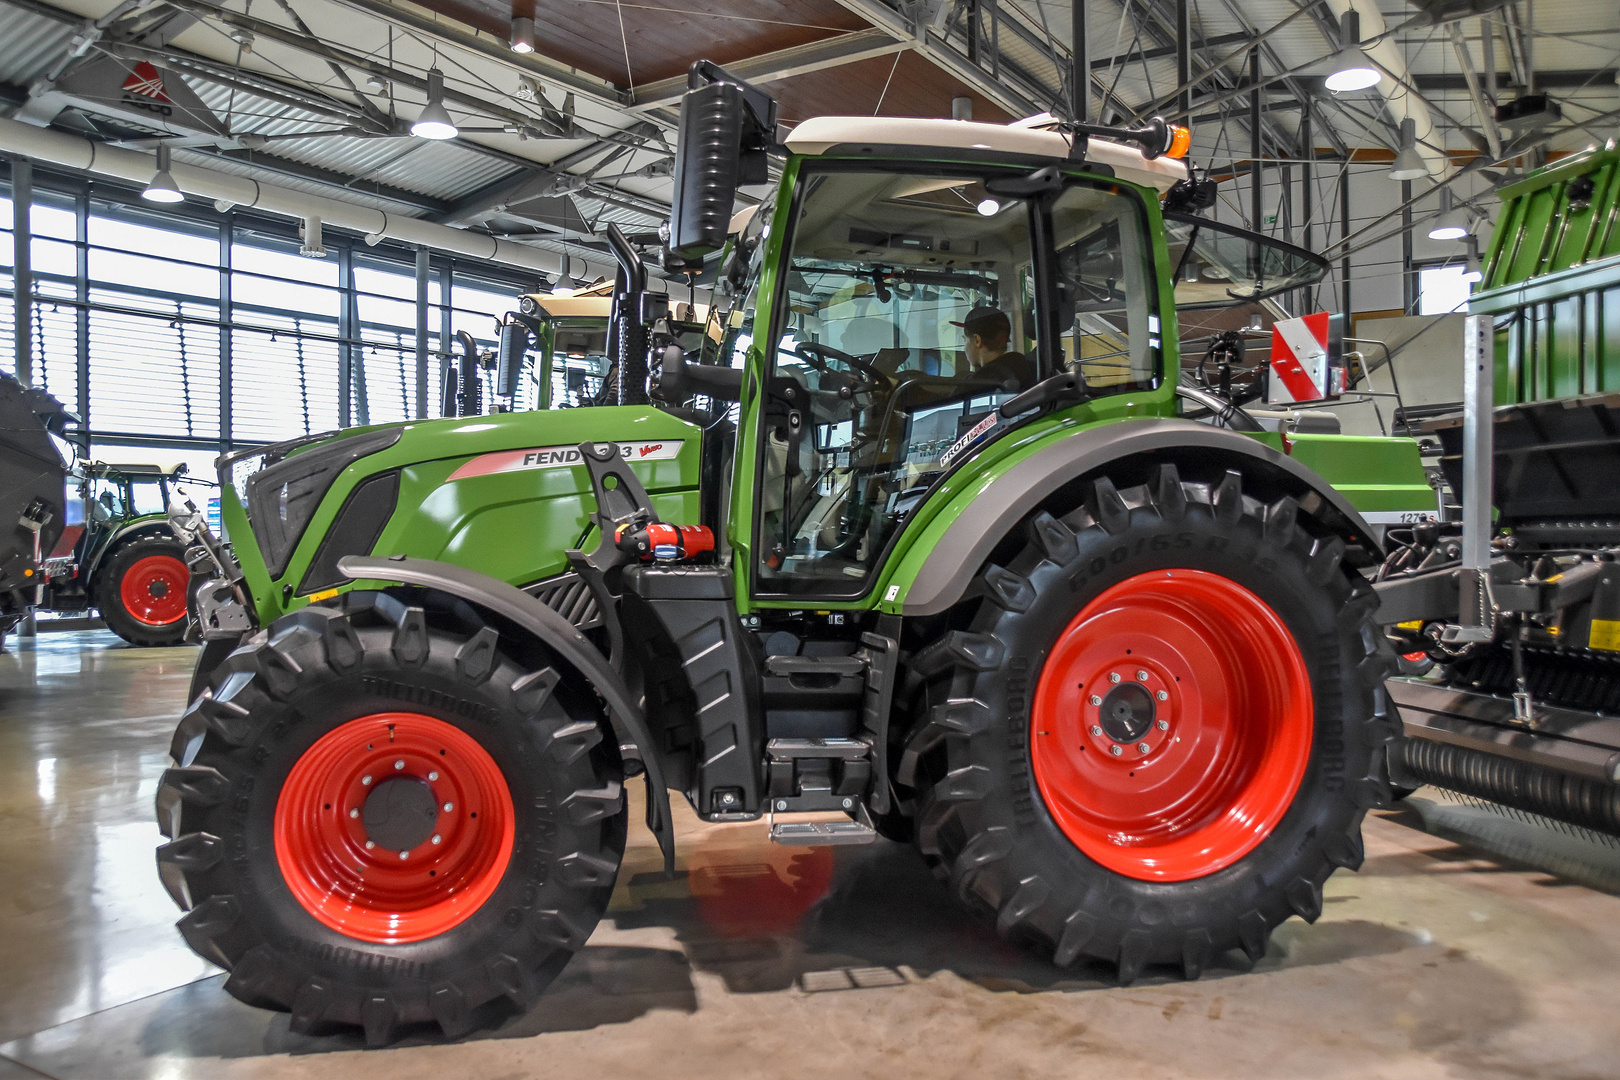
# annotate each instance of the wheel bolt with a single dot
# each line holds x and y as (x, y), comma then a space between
(448, 807)
(399, 764)
(1141, 676)
(1096, 700)
(1142, 746)
(1113, 676)
(365, 781)
(1163, 695)
(437, 838)
(370, 844)
(1116, 750)
(434, 775)
(1096, 729)
(355, 812)
(1164, 725)
(404, 855)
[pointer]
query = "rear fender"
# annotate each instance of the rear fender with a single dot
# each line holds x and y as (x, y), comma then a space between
(139, 529)
(557, 633)
(938, 572)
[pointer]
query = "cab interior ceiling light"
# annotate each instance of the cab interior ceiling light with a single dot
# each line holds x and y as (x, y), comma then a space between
(1452, 224)
(434, 121)
(522, 39)
(1350, 69)
(162, 189)
(1409, 164)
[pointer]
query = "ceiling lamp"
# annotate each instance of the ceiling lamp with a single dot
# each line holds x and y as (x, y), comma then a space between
(434, 122)
(1452, 224)
(162, 189)
(565, 281)
(522, 34)
(1350, 69)
(1409, 164)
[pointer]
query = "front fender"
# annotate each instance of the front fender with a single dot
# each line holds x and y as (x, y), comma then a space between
(937, 570)
(560, 635)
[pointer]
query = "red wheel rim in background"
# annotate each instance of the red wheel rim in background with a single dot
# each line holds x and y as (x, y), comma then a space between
(372, 893)
(1228, 740)
(153, 590)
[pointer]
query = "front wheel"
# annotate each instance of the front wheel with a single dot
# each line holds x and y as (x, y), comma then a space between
(389, 813)
(1161, 731)
(143, 591)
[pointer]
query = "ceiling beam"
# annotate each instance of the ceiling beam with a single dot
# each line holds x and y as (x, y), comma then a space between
(815, 56)
(947, 59)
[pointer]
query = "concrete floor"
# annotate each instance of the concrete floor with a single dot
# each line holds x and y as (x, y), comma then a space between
(1439, 959)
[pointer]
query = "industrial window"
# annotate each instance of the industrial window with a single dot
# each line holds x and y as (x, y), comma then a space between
(149, 304)
(1443, 289)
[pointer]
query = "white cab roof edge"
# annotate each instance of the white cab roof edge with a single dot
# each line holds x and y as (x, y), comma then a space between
(819, 134)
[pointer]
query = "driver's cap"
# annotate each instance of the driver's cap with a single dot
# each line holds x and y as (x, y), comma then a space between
(985, 320)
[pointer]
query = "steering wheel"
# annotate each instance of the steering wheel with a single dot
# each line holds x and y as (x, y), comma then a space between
(815, 354)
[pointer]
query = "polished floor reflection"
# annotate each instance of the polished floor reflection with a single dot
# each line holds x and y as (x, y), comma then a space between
(1453, 953)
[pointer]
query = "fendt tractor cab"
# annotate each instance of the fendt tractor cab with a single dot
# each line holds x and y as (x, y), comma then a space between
(570, 340)
(920, 548)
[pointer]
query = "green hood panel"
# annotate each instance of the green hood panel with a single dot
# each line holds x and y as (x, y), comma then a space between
(503, 494)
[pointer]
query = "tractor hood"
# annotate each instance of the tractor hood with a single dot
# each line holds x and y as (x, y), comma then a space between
(505, 494)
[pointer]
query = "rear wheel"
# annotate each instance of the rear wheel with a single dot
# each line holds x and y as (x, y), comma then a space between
(387, 814)
(1161, 731)
(143, 591)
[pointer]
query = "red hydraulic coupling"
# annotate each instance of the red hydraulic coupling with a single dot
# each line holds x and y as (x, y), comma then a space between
(666, 543)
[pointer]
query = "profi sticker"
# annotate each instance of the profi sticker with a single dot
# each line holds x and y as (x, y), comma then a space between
(557, 457)
(956, 448)
(889, 597)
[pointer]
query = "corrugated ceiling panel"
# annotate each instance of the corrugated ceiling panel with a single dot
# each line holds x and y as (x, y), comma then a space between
(30, 45)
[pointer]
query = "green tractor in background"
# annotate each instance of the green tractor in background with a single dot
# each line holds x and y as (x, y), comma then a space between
(117, 555)
(918, 545)
(85, 536)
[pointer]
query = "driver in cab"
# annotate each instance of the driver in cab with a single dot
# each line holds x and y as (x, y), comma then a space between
(986, 333)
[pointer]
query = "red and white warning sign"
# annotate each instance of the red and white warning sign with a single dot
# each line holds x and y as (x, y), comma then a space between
(1305, 364)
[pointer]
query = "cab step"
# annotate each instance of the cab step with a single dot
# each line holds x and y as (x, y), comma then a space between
(857, 830)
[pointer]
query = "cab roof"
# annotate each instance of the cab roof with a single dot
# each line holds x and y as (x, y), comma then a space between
(1033, 137)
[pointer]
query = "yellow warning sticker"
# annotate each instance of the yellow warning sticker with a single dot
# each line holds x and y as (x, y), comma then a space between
(1605, 635)
(1415, 624)
(325, 594)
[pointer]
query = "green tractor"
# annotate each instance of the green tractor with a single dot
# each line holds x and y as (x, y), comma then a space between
(117, 554)
(920, 546)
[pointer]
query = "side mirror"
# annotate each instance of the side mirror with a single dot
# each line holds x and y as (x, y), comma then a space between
(726, 127)
(511, 352)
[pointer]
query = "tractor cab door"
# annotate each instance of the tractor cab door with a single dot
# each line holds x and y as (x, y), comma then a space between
(911, 302)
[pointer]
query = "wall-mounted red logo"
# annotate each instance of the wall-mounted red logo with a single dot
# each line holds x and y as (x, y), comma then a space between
(147, 81)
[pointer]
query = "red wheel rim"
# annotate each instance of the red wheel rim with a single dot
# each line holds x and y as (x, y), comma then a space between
(1194, 779)
(376, 893)
(153, 590)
